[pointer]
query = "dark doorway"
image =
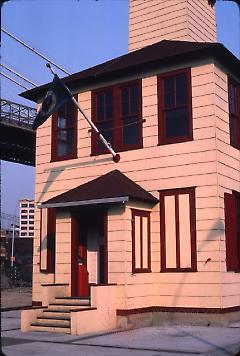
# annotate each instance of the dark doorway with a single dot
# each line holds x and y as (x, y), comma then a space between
(89, 251)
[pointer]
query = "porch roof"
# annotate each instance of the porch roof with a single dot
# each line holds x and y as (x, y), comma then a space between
(112, 187)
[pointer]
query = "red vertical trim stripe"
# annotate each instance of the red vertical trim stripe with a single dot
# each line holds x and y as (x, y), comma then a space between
(142, 214)
(232, 260)
(192, 209)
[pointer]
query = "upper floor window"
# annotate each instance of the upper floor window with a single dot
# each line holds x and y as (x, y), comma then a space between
(117, 112)
(234, 113)
(175, 107)
(64, 132)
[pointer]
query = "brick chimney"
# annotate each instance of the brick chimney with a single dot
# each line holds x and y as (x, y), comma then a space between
(151, 21)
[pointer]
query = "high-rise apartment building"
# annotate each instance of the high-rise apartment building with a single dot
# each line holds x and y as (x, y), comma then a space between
(26, 218)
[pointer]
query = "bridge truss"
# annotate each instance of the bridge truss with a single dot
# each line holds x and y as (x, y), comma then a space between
(17, 139)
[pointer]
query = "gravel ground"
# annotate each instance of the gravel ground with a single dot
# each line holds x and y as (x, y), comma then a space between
(16, 297)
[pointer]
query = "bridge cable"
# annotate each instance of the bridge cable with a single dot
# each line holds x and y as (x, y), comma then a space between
(14, 81)
(34, 50)
(18, 75)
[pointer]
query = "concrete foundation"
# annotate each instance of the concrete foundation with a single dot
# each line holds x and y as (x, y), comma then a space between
(133, 321)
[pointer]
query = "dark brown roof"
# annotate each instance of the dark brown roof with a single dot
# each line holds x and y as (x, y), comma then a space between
(150, 57)
(111, 185)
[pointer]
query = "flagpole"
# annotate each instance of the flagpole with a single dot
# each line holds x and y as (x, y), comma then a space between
(116, 156)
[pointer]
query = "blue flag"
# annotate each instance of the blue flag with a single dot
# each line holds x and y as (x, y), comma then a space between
(58, 93)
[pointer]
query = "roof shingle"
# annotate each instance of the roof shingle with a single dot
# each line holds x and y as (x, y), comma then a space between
(111, 185)
(150, 57)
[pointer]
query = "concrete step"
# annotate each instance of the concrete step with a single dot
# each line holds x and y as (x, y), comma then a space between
(50, 328)
(53, 321)
(58, 306)
(73, 300)
(56, 313)
(56, 318)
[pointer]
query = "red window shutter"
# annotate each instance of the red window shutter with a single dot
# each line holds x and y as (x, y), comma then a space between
(231, 232)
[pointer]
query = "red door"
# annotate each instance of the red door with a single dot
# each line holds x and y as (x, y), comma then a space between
(79, 273)
(80, 234)
(82, 272)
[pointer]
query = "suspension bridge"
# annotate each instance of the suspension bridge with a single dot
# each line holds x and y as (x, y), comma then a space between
(17, 139)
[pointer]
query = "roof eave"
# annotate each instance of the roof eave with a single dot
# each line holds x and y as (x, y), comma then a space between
(121, 200)
(226, 58)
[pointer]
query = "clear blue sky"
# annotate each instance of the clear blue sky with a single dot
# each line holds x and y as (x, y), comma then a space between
(76, 34)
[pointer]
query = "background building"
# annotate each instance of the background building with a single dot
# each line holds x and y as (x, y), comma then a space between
(26, 218)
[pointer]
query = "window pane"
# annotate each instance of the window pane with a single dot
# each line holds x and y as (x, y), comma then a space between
(65, 142)
(177, 123)
(129, 100)
(233, 129)
(169, 92)
(232, 99)
(125, 101)
(104, 106)
(70, 114)
(109, 105)
(62, 135)
(106, 129)
(131, 131)
(61, 149)
(61, 120)
(134, 99)
(181, 90)
(100, 107)
(113, 105)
